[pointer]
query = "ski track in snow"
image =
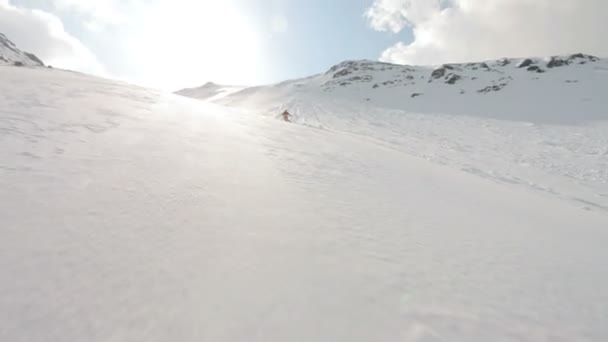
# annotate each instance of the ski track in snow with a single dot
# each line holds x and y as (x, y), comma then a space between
(129, 215)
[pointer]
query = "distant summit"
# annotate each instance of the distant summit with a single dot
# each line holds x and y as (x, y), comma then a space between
(11, 55)
(350, 73)
(551, 89)
(209, 91)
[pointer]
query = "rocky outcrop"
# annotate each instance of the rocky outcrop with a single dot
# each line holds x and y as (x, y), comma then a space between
(11, 55)
(440, 72)
(492, 88)
(556, 62)
(453, 79)
(525, 63)
(477, 66)
(498, 74)
(579, 58)
(535, 68)
(503, 62)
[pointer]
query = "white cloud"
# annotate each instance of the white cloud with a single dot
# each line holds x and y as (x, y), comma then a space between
(97, 14)
(467, 30)
(43, 34)
(394, 15)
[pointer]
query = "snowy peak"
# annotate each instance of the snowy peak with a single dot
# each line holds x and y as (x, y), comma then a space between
(209, 91)
(556, 89)
(556, 62)
(391, 75)
(11, 55)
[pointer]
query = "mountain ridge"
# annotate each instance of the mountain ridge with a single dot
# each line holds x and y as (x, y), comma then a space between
(542, 89)
(11, 55)
(445, 71)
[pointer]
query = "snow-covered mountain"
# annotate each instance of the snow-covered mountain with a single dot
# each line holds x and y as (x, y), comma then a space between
(539, 123)
(554, 89)
(11, 55)
(131, 215)
(210, 91)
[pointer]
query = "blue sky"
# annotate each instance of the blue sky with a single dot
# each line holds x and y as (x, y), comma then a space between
(172, 44)
(293, 38)
(322, 33)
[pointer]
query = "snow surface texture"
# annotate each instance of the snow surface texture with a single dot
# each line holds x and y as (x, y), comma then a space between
(129, 215)
(541, 124)
(11, 55)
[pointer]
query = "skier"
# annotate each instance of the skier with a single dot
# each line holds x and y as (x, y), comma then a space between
(286, 116)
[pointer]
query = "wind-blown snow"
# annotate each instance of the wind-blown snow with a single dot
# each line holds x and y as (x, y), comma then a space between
(129, 215)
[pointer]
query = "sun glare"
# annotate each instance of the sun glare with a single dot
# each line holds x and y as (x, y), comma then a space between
(187, 42)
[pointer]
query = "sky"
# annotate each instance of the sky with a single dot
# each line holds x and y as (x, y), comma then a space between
(172, 44)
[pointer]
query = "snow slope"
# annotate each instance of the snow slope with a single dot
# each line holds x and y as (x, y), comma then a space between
(567, 89)
(11, 55)
(541, 124)
(130, 215)
(209, 91)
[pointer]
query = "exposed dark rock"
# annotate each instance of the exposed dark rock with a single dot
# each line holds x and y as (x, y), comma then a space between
(416, 95)
(492, 88)
(342, 73)
(453, 79)
(582, 58)
(577, 55)
(504, 62)
(535, 68)
(363, 65)
(376, 86)
(462, 91)
(18, 63)
(440, 72)
(343, 65)
(556, 62)
(525, 63)
(365, 78)
(477, 66)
